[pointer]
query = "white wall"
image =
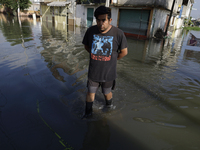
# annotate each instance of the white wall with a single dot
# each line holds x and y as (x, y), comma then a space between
(81, 16)
(158, 20)
(179, 23)
(186, 10)
(114, 15)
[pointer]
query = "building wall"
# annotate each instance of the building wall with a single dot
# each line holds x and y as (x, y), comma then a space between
(34, 7)
(186, 10)
(158, 20)
(165, 4)
(45, 13)
(179, 23)
(114, 15)
(80, 16)
(56, 17)
(72, 13)
(184, 15)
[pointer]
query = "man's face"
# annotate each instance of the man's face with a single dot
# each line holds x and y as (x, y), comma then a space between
(103, 23)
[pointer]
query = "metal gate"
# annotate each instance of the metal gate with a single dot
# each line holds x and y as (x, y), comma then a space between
(89, 16)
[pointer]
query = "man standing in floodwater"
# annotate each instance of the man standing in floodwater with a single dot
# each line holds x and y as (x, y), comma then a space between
(106, 44)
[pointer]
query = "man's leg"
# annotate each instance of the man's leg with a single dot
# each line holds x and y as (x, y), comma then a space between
(106, 89)
(92, 88)
(108, 98)
(89, 102)
(90, 97)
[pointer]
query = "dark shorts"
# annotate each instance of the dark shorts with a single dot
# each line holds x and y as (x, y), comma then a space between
(105, 86)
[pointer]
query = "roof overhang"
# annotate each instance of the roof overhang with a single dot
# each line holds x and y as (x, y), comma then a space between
(59, 4)
(196, 34)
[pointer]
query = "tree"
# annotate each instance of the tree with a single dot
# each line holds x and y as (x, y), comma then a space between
(13, 4)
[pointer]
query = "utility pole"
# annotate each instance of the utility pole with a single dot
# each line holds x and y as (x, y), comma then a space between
(18, 9)
(172, 9)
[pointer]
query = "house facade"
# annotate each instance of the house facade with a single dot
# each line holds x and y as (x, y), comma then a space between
(58, 11)
(137, 17)
(33, 9)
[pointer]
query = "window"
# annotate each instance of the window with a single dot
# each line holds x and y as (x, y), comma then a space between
(185, 2)
(60, 10)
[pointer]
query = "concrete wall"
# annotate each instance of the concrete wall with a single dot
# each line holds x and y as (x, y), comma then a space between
(158, 20)
(179, 23)
(34, 7)
(81, 16)
(72, 12)
(114, 15)
(166, 4)
(186, 10)
(47, 14)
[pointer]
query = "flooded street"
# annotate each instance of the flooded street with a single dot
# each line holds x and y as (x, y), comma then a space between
(43, 74)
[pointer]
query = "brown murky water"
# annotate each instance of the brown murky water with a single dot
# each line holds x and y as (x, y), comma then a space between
(43, 85)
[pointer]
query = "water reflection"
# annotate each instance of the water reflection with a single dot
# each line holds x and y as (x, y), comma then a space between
(12, 31)
(192, 55)
(62, 52)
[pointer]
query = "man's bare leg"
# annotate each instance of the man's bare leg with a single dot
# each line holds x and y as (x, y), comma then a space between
(108, 96)
(90, 97)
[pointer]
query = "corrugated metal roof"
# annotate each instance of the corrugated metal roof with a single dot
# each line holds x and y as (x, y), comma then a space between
(58, 3)
(196, 34)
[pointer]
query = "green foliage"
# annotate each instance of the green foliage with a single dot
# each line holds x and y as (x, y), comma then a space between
(13, 4)
(188, 22)
(192, 28)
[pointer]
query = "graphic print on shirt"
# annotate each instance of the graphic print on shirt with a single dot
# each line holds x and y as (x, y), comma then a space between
(102, 48)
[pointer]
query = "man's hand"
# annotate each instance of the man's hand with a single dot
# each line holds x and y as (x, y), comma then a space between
(87, 48)
(122, 53)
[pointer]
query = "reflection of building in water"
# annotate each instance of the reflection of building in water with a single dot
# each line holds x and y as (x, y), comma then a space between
(154, 51)
(62, 51)
(18, 33)
(191, 54)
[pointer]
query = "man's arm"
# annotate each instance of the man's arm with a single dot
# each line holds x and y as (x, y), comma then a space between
(87, 48)
(122, 53)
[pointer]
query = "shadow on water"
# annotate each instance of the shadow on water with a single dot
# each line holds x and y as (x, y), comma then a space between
(156, 96)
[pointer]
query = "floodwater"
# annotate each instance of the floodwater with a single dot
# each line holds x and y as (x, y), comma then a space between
(43, 74)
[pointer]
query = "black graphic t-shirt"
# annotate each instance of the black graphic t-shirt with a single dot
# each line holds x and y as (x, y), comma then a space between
(104, 52)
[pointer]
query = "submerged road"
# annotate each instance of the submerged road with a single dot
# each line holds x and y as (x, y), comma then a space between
(43, 87)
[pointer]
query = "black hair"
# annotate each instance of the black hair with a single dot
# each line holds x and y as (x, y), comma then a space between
(101, 10)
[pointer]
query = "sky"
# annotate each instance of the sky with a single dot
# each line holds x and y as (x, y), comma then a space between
(195, 13)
